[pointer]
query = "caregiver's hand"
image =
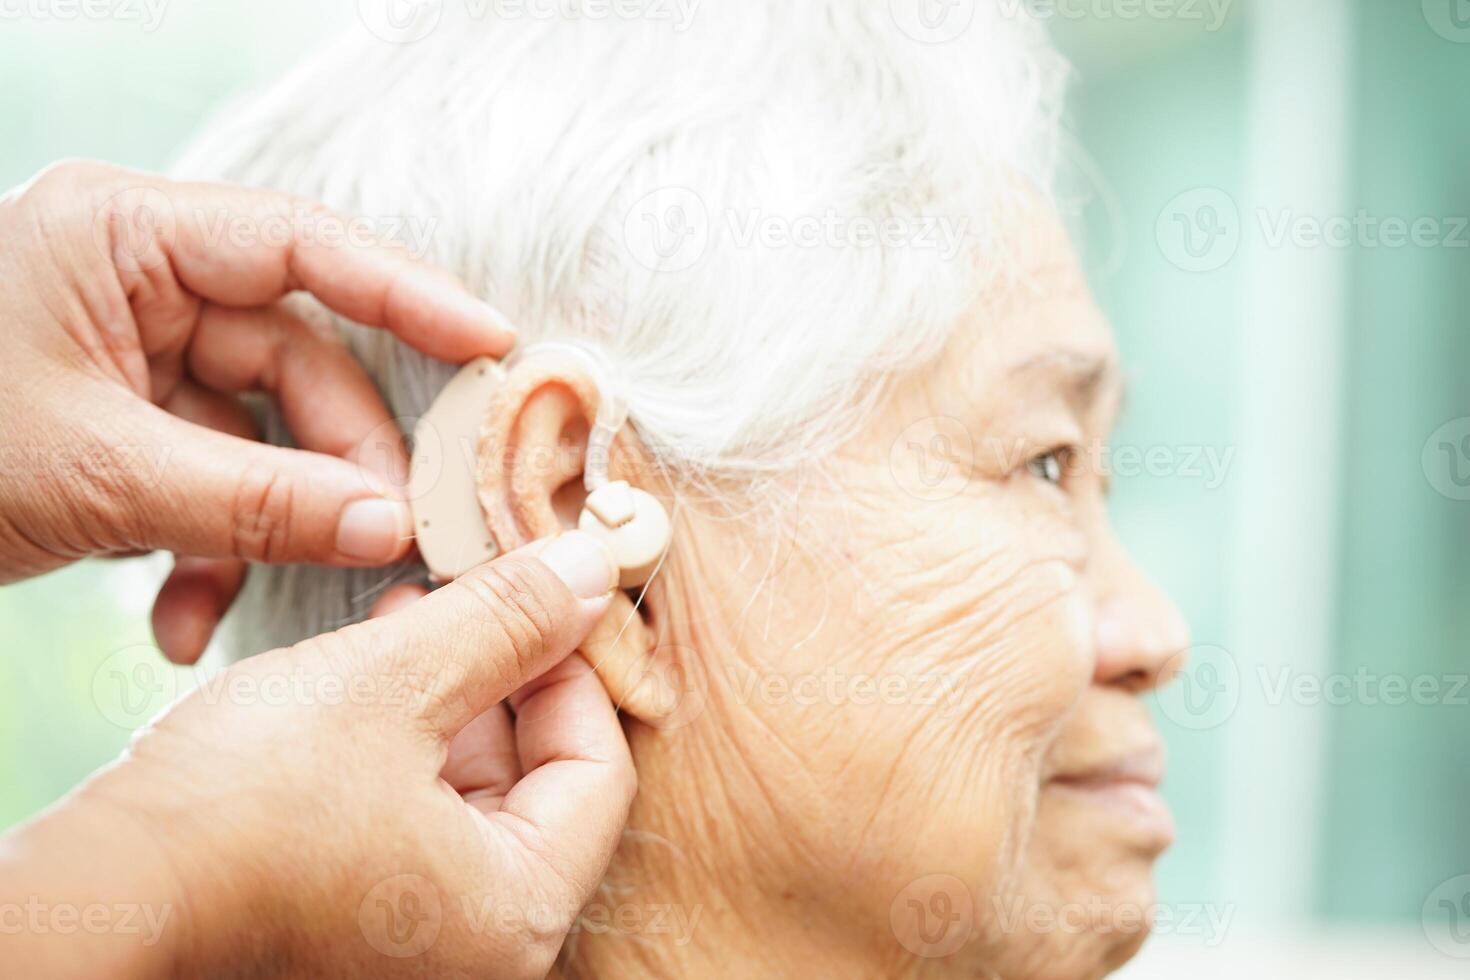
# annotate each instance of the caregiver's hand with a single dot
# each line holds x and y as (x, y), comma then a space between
(357, 806)
(135, 310)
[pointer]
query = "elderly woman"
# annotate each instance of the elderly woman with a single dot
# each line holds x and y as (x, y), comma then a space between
(885, 693)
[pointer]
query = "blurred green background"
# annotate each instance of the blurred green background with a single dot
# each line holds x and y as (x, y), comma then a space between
(1243, 173)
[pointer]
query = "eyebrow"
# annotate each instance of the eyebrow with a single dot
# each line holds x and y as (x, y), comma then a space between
(1085, 375)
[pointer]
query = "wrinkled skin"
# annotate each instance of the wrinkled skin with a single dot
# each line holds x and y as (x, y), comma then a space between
(987, 813)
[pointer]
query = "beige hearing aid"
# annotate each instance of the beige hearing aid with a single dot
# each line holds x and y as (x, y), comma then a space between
(452, 534)
(634, 527)
(452, 531)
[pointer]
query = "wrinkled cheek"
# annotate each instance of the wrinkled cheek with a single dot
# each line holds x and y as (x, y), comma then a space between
(1043, 652)
(952, 808)
(1015, 689)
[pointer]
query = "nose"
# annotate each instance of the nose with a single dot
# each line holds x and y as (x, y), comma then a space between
(1140, 636)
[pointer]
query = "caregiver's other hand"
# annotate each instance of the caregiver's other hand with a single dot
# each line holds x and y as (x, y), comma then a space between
(136, 310)
(360, 805)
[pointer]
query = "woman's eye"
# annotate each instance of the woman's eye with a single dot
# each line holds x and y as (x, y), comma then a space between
(1047, 466)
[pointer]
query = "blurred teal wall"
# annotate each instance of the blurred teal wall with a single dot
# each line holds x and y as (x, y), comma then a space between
(1160, 108)
(1399, 780)
(1167, 111)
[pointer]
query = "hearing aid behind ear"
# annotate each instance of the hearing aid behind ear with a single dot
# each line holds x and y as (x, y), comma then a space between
(451, 531)
(453, 535)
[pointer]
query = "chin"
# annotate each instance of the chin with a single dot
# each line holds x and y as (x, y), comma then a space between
(1088, 885)
(1070, 954)
(1120, 906)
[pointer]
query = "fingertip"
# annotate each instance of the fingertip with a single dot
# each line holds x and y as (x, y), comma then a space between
(500, 332)
(583, 562)
(396, 598)
(190, 606)
(438, 314)
(182, 627)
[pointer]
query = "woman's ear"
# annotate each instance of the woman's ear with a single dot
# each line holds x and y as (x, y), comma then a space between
(532, 448)
(531, 455)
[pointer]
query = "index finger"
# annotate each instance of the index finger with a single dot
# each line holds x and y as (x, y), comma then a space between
(244, 247)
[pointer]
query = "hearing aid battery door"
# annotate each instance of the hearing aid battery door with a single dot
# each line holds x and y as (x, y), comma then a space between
(452, 534)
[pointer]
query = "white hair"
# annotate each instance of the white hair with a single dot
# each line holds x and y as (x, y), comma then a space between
(838, 172)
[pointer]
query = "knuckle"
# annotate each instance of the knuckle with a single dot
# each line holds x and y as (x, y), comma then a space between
(53, 200)
(308, 207)
(312, 221)
(67, 176)
(66, 187)
(514, 604)
(548, 931)
(261, 513)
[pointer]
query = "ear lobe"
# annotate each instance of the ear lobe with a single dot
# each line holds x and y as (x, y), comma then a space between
(620, 649)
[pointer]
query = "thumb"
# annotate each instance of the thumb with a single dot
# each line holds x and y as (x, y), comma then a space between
(474, 642)
(198, 492)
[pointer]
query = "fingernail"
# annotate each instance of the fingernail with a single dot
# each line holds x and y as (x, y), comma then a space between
(445, 290)
(373, 530)
(502, 322)
(583, 563)
(475, 308)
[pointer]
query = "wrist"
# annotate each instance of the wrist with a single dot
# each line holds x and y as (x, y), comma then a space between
(87, 893)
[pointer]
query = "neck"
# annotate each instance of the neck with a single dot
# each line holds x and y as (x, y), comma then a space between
(725, 867)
